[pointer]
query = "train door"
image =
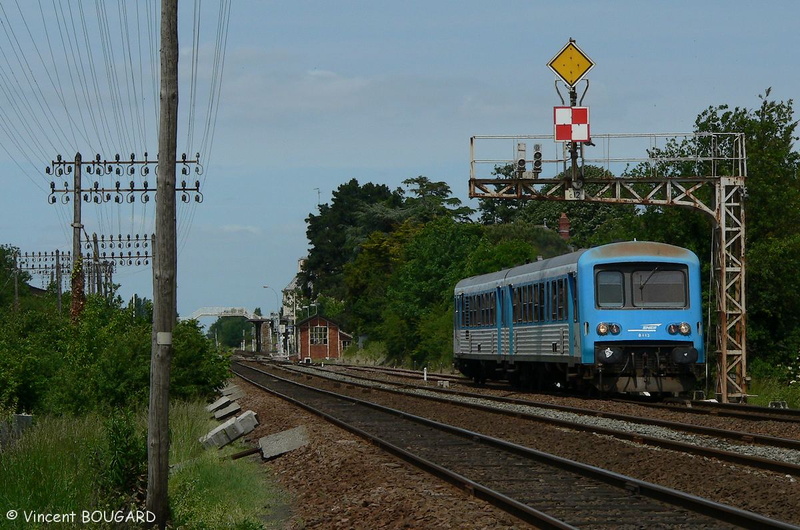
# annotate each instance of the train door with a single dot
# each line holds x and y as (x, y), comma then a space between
(499, 319)
(459, 323)
(574, 316)
(505, 320)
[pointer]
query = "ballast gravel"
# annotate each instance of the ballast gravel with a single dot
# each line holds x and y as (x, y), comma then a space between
(340, 481)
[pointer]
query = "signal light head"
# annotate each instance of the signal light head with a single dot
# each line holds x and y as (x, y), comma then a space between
(521, 155)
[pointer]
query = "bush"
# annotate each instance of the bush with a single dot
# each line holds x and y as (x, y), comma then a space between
(100, 363)
(68, 464)
(373, 352)
(121, 461)
(197, 367)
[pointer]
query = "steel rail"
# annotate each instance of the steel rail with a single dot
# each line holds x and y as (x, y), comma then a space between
(729, 410)
(734, 410)
(522, 511)
(720, 454)
(701, 507)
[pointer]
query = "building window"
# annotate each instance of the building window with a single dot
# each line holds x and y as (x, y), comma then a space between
(319, 335)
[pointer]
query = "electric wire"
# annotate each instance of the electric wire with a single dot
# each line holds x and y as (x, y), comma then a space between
(78, 84)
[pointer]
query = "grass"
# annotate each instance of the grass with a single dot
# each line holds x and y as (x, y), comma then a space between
(53, 469)
(763, 390)
(209, 490)
(49, 470)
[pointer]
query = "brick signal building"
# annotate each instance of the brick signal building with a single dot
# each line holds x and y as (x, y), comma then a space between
(320, 338)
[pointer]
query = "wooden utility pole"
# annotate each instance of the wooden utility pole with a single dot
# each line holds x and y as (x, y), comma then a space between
(165, 307)
(77, 281)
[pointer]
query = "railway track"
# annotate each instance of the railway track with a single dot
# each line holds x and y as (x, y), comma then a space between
(750, 413)
(757, 452)
(730, 410)
(543, 489)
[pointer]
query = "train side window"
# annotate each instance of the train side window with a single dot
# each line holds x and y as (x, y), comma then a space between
(473, 310)
(609, 289)
(562, 299)
(526, 301)
(529, 303)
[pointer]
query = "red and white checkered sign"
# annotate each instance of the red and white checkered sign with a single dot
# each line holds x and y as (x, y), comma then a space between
(571, 124)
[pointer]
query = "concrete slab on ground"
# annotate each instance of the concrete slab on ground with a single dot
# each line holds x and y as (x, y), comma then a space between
(218, 436)
(230, 430)
(224, 401)
(232, 391)
(224, 412)
(283, 442)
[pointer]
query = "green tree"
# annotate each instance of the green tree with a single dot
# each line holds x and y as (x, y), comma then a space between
(229, 331)
(429, 200)
(197, 368)
(336, 231)
(50, 365)
(433, 262)
(500, 211)
(773, 188)
(591, 224)
(367, 276)
(9, 276)
(772, 213)
(508, 245)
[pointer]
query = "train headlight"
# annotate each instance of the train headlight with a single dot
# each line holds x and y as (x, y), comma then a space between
(683, 328)
(604, 328)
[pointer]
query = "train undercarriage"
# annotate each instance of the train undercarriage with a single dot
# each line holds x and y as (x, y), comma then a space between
(656, 375)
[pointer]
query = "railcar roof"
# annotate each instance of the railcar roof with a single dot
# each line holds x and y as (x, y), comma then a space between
(624, 251)
(549, 263)
(636, 250)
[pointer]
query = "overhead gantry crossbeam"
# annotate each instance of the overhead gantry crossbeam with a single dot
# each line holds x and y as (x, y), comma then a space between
(684, 191)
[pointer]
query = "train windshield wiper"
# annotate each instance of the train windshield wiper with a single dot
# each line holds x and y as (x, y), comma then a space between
(641, 285)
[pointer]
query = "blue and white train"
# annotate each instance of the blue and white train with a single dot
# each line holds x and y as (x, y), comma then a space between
(624, 317)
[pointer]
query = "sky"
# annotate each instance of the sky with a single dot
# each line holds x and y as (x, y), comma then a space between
(314, 93)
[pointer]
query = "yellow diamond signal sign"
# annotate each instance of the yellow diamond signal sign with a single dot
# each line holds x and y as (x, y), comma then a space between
(570, 64)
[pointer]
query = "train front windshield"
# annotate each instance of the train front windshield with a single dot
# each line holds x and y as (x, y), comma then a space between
(645, 285)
